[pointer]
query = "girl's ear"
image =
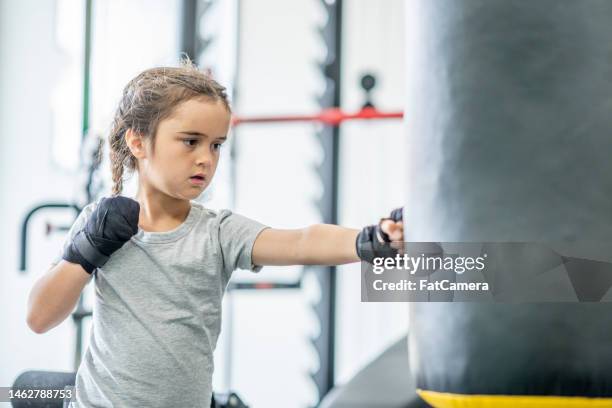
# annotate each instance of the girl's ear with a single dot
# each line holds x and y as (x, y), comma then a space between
(135, 142)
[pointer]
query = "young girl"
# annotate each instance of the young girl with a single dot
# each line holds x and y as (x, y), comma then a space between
(162, 261)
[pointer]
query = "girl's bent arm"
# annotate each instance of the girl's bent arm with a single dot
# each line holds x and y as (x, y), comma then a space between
(54, 295)
(319, 244)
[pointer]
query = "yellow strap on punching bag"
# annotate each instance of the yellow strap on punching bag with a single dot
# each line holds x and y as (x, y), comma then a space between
(447, 400)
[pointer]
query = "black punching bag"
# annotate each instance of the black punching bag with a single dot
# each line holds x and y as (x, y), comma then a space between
(509, 132)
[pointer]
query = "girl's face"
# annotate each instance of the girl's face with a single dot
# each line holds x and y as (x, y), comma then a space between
(188, 143)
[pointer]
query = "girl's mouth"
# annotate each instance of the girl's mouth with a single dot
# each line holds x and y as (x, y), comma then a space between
(197, 180)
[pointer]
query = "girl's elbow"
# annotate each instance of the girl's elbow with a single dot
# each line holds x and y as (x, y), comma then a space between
(37, 322)
(35, 325)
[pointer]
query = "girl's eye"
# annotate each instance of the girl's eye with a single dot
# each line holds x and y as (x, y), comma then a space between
(190, 140)
(217, 146)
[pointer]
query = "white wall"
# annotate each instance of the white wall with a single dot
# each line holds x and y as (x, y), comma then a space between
(373, 180)
(277, 185)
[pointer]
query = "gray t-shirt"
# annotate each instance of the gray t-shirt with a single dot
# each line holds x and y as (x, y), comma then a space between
(157, 311)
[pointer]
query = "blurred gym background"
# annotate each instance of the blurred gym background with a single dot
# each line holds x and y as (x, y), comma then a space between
(290, 334)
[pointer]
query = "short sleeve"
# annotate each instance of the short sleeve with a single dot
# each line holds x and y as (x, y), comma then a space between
(237, 235)
(78, 224)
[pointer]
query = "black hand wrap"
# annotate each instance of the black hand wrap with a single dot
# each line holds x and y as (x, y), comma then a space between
(110, 225)
(368, 243)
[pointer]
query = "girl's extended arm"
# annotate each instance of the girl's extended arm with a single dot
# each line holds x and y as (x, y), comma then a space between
(319, 244)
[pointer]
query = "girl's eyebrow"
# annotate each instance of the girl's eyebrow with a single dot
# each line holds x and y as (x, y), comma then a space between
(204, 135)
(194, 133)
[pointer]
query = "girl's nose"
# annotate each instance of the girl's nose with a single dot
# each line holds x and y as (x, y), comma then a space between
(204, 159)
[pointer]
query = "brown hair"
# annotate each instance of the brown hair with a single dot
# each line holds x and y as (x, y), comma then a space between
(148, 99)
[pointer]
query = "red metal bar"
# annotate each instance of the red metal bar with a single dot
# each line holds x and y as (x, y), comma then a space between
(330, 116)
